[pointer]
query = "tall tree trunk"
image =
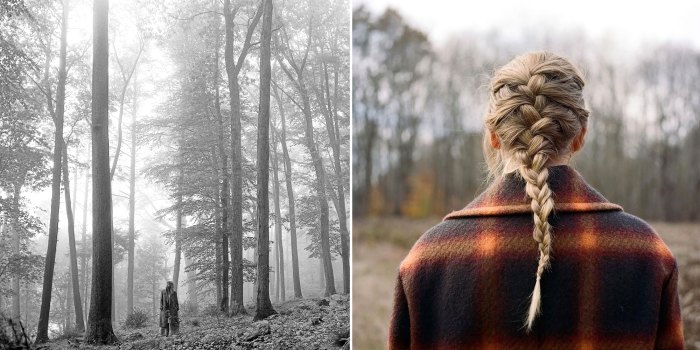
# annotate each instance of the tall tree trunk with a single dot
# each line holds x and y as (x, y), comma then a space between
(275, 284)
(13, 226)
(264, 306)
(75, 285)
(320, 193)
(232, 71)
(99, 320)
(278, 220)
(84, 253)
(218, 231)
(191, 286)
(132, 210)
(113, 312)
(126, 77)
(217, 247)
(75, 188)
(224, 306)
(332, 126)
(275, 195)
(223, 196)
(370, 138)
(26, 307)
(236, 168)
(43, 326)
(321, 273)
(290, 197)
(225, 208)
(178, 230)
(224, 233)
(255, 253)
(320, 181)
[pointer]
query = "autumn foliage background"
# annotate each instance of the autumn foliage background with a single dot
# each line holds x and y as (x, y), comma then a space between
(418, 111)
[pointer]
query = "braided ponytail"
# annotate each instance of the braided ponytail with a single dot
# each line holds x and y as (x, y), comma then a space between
(536, 109)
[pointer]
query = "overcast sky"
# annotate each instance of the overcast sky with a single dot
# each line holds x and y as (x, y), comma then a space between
(631, 22)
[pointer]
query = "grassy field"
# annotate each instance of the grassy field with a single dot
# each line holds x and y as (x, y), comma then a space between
(379, 245)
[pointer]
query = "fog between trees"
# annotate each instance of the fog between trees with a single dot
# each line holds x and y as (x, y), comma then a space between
(194, 175)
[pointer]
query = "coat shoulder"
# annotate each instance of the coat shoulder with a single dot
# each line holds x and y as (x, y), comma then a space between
(633, 225)
(642, 233)
(434, 240)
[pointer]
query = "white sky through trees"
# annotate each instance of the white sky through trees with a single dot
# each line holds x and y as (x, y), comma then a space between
(628, 22)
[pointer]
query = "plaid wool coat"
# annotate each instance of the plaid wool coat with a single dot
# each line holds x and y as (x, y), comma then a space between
(466, 283)
(169, 307)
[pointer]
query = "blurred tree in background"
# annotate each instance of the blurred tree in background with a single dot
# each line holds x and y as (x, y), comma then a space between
(418, 119)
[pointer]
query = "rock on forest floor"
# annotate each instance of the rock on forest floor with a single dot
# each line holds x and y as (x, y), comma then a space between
(299, 324)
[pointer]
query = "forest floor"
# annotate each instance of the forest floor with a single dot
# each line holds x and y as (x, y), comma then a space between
(379, 245)
(321, 323)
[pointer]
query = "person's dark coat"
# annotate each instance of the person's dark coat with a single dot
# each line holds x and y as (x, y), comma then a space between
(466, 283)
(169, 308)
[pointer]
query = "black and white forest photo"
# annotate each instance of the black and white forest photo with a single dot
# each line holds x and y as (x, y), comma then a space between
(175, 174)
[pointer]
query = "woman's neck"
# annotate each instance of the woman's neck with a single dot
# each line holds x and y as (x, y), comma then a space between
(511, 165)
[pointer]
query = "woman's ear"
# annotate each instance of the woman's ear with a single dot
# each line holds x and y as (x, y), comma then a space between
(495, 142)
(578, 141)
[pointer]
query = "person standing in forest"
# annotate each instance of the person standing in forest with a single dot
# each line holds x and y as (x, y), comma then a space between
(169, 306)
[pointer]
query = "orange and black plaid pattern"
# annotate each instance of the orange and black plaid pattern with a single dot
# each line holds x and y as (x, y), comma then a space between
(466, 282)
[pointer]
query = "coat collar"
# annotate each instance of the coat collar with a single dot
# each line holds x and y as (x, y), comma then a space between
(506, 195)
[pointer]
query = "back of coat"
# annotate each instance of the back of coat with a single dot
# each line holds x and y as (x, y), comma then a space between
(168, 301)
(466, 283)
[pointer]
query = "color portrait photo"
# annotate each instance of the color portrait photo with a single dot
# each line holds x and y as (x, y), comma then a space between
(525, 175)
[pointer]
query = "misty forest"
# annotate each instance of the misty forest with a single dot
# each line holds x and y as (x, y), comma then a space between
(201, 142)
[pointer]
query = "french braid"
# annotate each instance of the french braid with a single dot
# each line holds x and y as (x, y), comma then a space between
(536, 109)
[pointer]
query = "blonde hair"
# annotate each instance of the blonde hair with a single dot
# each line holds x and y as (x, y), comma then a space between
(536, 109)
